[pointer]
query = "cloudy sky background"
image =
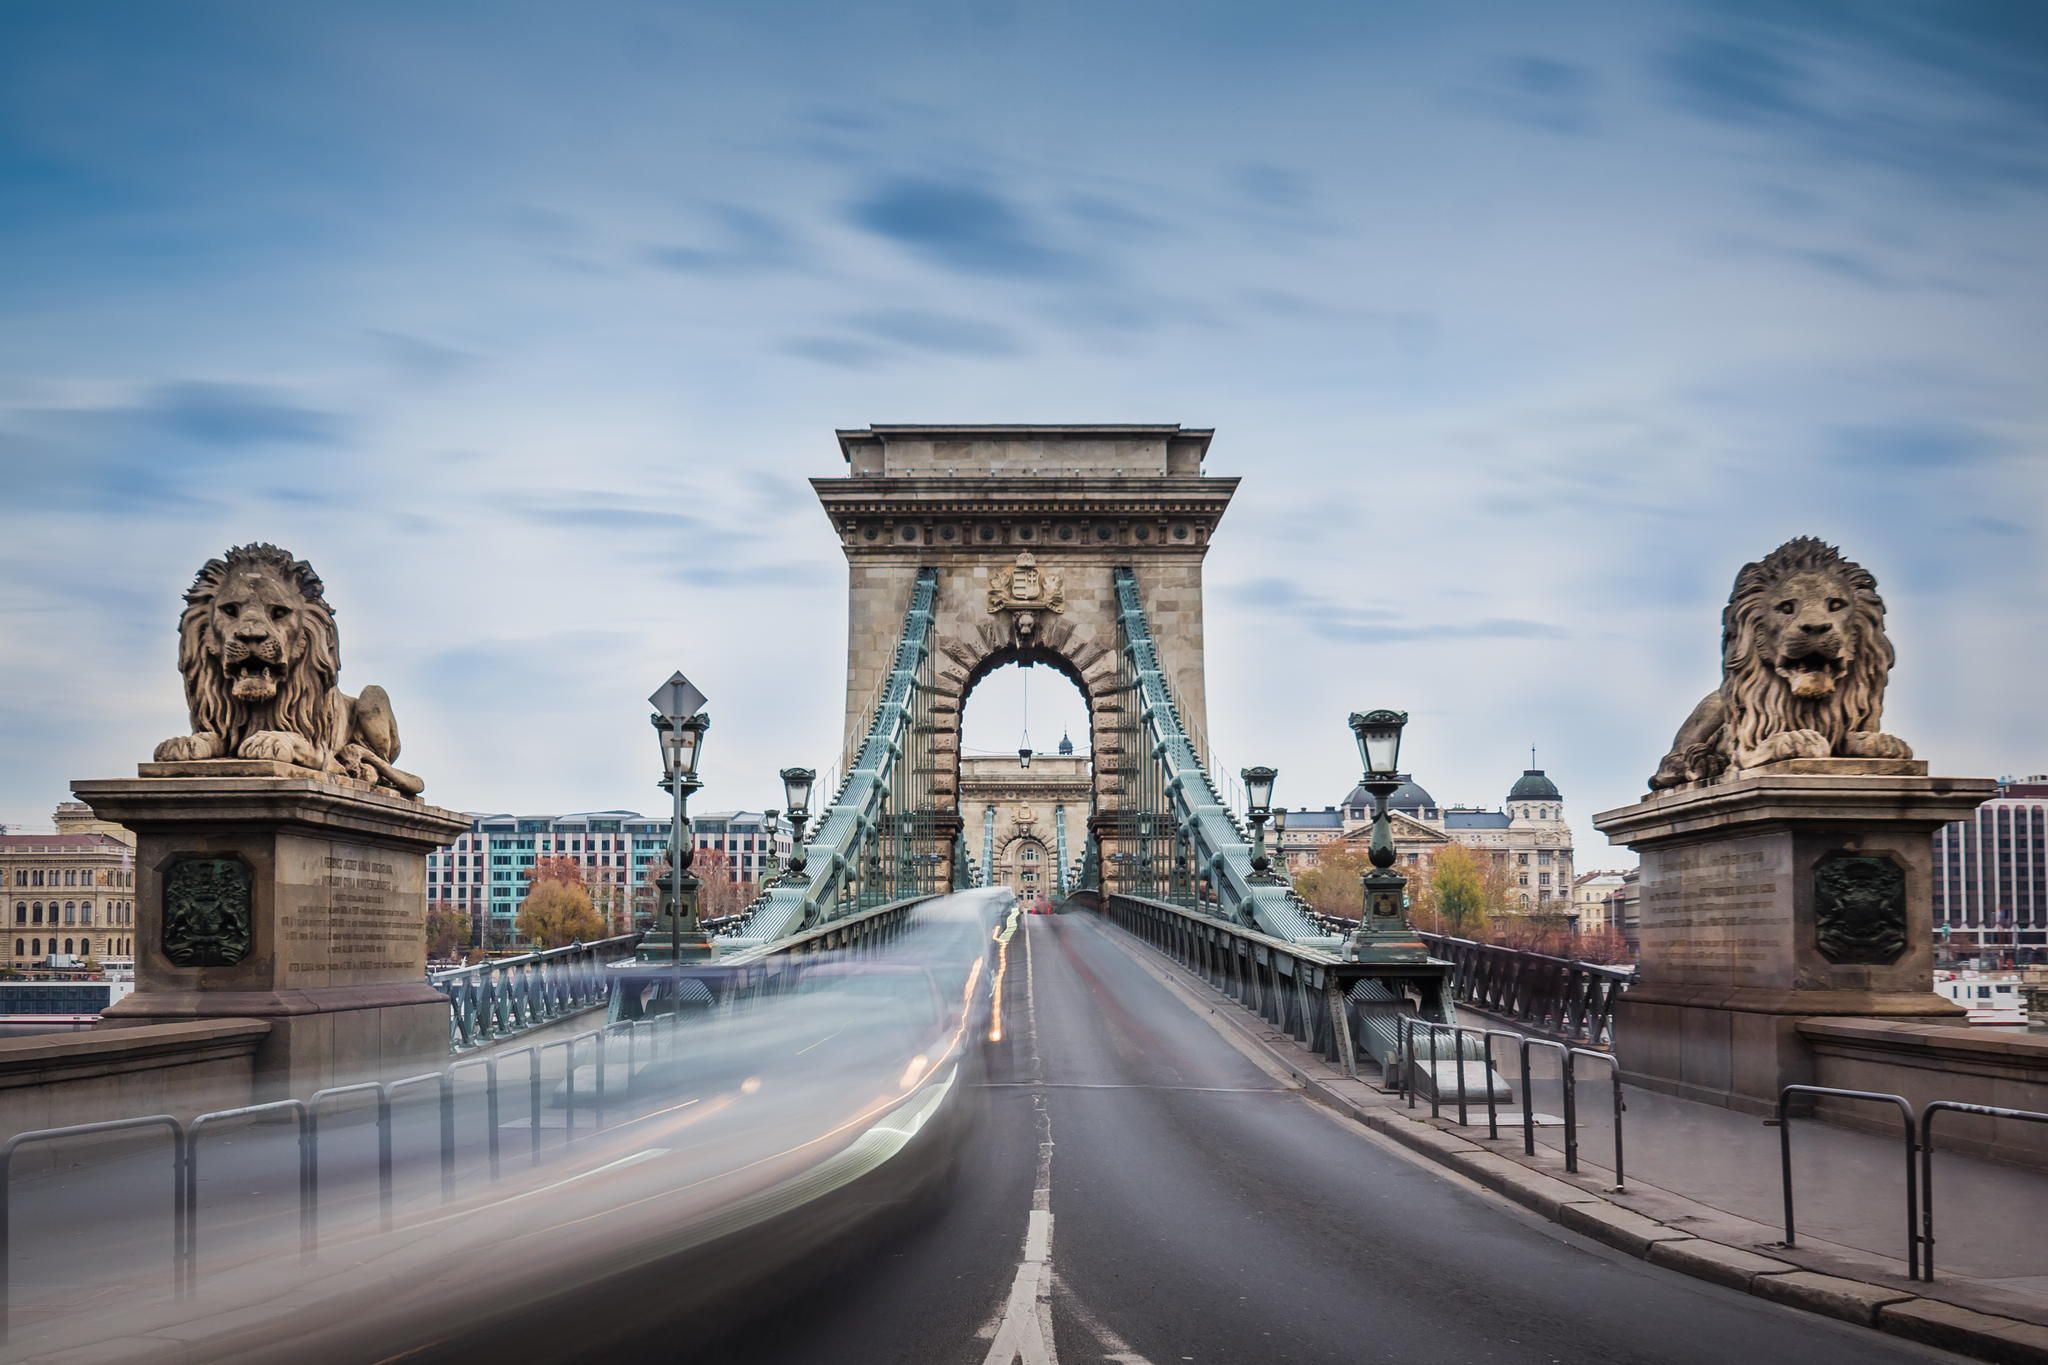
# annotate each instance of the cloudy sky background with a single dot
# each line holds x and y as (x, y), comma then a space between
(1525, 327)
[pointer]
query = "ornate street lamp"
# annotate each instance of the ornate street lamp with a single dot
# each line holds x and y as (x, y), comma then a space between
(679, 723)
(1383, 933)
(771, 866)
(1024, 757)
(1258, 788)
(796, 796)
(1280, 837)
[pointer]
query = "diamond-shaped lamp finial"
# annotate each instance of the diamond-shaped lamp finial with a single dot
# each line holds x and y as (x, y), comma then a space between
(678, 698)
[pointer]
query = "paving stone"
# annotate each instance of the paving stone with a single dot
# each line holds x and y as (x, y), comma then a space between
(1619, 1228)
(1850, 1300)
(1983, 1335)
(1731, 1266)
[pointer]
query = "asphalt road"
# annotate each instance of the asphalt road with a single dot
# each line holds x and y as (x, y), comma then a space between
(1137, 1189)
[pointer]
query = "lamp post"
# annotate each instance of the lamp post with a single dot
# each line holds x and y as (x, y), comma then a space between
(680, 723)
(1280, 838)
(796, 796)
(771, 866)
(1258, 800)
(1383, 933)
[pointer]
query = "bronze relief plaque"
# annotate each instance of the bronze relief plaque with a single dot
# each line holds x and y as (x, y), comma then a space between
(1859, 908)
(207, 912)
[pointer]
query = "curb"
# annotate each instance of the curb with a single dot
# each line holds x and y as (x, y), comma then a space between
(1884, 1308)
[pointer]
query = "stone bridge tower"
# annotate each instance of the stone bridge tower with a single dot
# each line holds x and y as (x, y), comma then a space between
(1025, 525)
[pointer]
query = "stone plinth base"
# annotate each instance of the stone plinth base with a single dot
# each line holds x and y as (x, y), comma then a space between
(1736, 1047)
(263, 891)
(1798, 891)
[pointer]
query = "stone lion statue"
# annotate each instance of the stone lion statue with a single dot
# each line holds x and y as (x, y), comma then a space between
(1804, 659)
(260, 655)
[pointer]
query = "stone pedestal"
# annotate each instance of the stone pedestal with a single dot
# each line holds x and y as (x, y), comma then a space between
(264, 891)
(1799, 890)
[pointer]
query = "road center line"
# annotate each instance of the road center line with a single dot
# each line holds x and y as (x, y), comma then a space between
(1024, 1332)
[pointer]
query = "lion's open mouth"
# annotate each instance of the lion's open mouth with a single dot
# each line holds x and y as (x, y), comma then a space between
(253, 678)
(1812, 674)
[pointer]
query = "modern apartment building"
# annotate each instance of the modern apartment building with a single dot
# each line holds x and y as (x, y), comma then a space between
(484, 872)
(1991, 876)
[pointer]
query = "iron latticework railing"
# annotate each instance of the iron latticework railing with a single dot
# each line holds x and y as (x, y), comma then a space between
(513, 994)
(871, 842)
(1554, 995)
(1168, 836)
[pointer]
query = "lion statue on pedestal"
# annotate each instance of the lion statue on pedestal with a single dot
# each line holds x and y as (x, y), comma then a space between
(1804, 659)
(261, 657)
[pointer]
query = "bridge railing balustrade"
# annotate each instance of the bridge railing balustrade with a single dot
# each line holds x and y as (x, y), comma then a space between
(510, 995)
(1562, 997)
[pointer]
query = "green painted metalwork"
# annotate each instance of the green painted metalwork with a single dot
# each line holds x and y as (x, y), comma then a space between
(1174, 839)
(1059, 839)
(867, 846)
(988, 845)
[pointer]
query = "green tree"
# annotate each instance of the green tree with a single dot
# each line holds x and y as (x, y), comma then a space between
(447, 931)
(1457, 897)
(556, 913)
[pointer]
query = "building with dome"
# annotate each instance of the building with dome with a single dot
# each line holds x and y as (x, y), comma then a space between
(1526, 837)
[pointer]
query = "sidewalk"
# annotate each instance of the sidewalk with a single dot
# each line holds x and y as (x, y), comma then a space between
(1850, 1186)
(1703, 1196)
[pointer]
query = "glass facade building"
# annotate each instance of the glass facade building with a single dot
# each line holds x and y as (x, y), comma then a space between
(1991, 877)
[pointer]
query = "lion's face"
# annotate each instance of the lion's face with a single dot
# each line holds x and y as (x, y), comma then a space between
(1806, 632)
(257, 632)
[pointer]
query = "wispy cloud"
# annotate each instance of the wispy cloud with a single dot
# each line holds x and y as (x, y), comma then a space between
(742, 241)
(945, 333)
(963, 227)
(236, 416)
(1539, 92)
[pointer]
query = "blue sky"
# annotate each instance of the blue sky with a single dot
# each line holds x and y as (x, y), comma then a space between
(1525, 326)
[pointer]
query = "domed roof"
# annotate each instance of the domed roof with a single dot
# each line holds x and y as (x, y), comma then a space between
(1532, 785)
(1409, 796)
(1066, 744)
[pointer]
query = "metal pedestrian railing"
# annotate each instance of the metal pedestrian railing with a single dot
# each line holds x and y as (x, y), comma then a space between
(513, 995)
(1409, 1058)
(1927, 1116)
(742, 977)
(309, 1116)
(1912, 1165)
(1560, 996)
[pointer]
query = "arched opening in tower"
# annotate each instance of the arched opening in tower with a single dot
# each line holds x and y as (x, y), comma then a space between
(1027, 776)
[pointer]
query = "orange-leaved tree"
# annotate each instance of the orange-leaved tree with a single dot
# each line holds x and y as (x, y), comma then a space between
(556, 912)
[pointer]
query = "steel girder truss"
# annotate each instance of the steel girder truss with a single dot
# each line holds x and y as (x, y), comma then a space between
(1170, 837)
(879, 840)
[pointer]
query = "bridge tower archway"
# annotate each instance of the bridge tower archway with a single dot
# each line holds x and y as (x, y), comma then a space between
(1025, 527)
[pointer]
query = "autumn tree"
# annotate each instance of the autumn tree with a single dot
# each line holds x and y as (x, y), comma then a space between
(1455, 900)
(1332, 886)
(567, 871)
(447, 931)
(718, 894)
(557, 912)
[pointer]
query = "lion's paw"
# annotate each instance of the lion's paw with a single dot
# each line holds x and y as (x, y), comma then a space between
(279, 746)
(1801, 744)
(187, 748)
(1875, 744)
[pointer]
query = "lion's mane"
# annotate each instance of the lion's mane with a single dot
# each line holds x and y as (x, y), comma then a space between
(305, 704)
(1759, 703)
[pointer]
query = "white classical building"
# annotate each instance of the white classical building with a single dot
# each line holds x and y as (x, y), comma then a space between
(1527, 838)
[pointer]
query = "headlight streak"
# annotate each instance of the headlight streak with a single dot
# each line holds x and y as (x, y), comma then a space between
(1001, 938)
